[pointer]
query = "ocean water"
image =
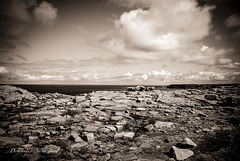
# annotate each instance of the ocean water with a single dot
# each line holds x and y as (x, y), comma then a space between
(71, 89)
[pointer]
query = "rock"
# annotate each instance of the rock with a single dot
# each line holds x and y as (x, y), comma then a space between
(78, 146)
(75, 137)
(140, 88)
(92, 128)
(12, 94)
(149, 127)
(2, 131)
(210, 97)
(181, 154)
(124, 135)
(78, 99)
(124, 157)
(27, 145)
(89, 136)
(50, 149)
(131, 89)
(119, 127)
(116, 118)
(160, 124)
(140, 109)
(128, 135)
(201, 114)
(189, 142)
(32, 139)
(105, 157)
(10, 141)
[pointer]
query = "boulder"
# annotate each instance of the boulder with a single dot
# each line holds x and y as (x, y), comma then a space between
(10, 94)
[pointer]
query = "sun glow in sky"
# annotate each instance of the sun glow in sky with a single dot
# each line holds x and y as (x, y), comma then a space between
(119, 41)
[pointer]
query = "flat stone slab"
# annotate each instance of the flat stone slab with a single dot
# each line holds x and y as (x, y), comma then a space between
(181, 154)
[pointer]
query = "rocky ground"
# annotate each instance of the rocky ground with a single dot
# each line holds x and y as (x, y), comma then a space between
(154, 125)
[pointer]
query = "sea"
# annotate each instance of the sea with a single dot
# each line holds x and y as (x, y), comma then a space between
(74, 89)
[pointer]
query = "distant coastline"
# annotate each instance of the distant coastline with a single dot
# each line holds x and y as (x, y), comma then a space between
(79, 89)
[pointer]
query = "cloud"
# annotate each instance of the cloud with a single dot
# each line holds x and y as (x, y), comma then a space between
(128, 74)
(45, 14)
(204, 48)
(233, 21)
(166, 25)
(3, 70)
(15, 16)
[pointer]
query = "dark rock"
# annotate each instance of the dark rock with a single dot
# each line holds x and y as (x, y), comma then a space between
(210, 97)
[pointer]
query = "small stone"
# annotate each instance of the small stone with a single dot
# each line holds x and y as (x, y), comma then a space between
(210, 97)
(76, 138)
(78, 145)
(160, 124)
(128, 136)
(124, 135)
(116, 118)
(32, 139)
(201, 114)
(119, 127)
(89, 136)
(149, 127)
(140, 109)
(105, 157)
(92, 128)
(181, 154)
(51, 149)
(187, 141)
(27, 145)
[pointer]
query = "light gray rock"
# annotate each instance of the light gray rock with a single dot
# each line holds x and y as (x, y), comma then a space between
(92, 127)
(90, 136)
(116, 118)
(77, 146)
(149, 127)
(32, 139)
(181, 154)
(187, 141)
(76, 138)
(50, 149)
(124, 135)
(161, 124)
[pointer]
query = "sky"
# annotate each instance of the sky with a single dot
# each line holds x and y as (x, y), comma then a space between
(121, 42)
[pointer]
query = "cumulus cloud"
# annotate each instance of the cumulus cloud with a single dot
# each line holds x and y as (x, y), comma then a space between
(233, 21)
(45, 13)
(166, 25)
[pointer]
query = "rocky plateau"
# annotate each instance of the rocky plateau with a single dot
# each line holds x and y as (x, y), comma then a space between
(137, 124)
